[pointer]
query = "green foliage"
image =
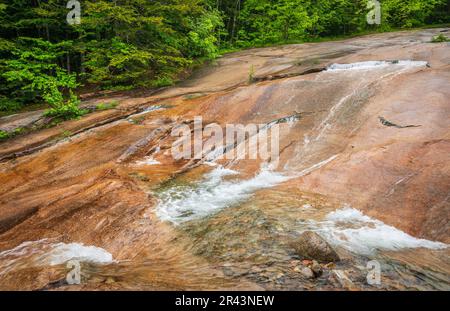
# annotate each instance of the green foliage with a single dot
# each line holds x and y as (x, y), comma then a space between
(66, 134)
(136, 42)
(3, 135)
(203, 37)
(18, 131)
(269, 22)
(66, 110)
(107, 106)
(251, 74)
(124, 44)
(9, 105)
(261, 22)
(440, 38)
(408, 13)
(119, 45)
(162, 81)
(33, 74)
(137, 120)
(115, 63)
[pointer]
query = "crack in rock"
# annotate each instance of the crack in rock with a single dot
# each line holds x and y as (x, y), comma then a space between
(390, 124)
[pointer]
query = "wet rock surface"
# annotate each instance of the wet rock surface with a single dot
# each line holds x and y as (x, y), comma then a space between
(371, 191)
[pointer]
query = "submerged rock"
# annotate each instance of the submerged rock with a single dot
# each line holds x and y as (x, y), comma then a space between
(343, 279)
(307, 272)
(316, 268)
(310, 245)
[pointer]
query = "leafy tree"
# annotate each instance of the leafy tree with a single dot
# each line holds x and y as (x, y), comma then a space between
(123, 44)
(409, 13)
(33, 73)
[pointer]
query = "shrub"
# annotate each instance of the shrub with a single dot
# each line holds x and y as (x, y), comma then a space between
(66, 110)
(251, 74)
(34, 70)
(440, 38)
(9, 105)
(4, 135)
(163, 81)
(106, 106)
(17, 131)
(202, 37)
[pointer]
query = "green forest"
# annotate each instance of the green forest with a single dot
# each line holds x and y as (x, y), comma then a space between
(128, 44)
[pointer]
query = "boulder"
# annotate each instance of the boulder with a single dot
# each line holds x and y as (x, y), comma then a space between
(310, 245)
(307, 273)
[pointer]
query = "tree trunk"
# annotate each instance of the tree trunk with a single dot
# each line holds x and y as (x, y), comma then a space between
(82, 69)
(68, 62)
(236, 12)
(47, 32)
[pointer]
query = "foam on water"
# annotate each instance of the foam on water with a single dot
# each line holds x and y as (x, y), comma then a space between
(183, 203)
(375, 65)
(147, 110)
(44, 253)
(63, 252)
(359, 233)
(148, 161)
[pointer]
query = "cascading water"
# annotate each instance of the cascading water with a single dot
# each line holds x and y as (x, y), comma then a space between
(356, 232)
(43, 253)
(369, 65)
(182, 203)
